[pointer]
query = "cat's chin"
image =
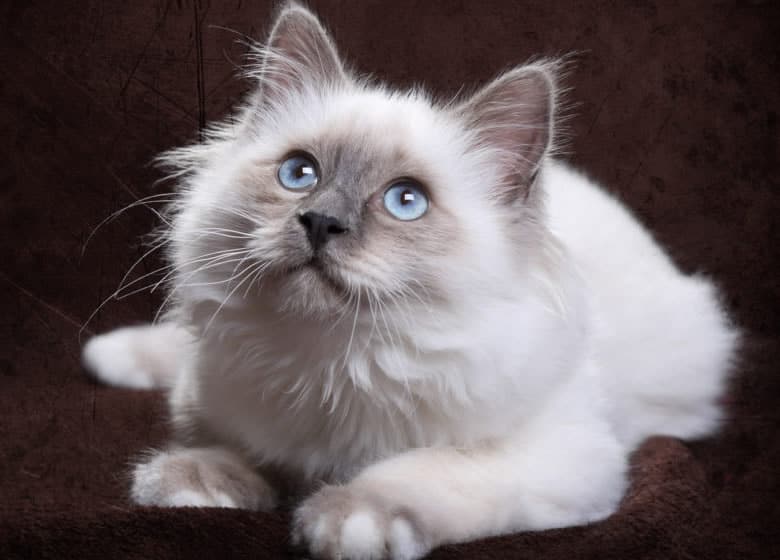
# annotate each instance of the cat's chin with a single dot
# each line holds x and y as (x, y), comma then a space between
(309, 289)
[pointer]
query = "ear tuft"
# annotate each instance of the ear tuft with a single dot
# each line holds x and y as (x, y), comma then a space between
(512, 118)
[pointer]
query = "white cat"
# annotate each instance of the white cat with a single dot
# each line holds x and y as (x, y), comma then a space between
(415, 303)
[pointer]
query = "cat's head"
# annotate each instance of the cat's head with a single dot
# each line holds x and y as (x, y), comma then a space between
(328, 188)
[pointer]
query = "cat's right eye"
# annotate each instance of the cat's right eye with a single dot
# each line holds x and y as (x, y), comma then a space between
(298, 172)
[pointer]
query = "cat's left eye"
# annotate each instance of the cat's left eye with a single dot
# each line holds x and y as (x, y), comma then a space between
(298, 172)
(406, 200)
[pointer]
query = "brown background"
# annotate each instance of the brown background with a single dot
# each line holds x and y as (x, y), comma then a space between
(675, 110)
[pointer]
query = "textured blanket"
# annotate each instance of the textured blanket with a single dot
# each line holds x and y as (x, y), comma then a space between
(675, 110)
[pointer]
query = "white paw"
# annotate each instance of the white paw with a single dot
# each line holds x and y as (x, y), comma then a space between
(201, 477)
(114, 359)
(341, 522)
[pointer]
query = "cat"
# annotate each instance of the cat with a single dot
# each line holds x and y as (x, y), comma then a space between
(410, 313)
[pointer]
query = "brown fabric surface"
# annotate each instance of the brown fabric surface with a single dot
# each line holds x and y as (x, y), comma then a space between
(676, 113)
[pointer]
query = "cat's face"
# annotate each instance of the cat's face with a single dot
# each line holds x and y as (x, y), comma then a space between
(332, 190)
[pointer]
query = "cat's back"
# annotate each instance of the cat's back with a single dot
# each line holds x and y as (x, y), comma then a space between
(628, 273)
(598, 230)
(661, 335)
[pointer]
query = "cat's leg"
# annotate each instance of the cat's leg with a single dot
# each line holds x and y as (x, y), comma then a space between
(200, 477)
(139, 357)
(403, 507)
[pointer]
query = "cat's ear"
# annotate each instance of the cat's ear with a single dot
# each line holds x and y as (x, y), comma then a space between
(512, 121)
(299, 53)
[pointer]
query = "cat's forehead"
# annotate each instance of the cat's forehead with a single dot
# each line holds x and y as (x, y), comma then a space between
(371, 132)
(374, 114)
(391, 125)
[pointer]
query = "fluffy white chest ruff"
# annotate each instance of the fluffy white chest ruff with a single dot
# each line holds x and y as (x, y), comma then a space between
(325, 402)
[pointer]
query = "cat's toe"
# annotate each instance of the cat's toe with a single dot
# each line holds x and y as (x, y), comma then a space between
(199, 498)
(341, 522)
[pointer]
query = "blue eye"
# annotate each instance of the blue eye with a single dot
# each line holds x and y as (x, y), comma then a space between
(406, 200)
(298, 172)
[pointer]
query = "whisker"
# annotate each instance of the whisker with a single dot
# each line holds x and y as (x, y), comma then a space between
(215, 282)
(145, 201)
(225, 300)
(352, 333)
(181, 284)
(256, 276)
(136, 263)
(175, 267)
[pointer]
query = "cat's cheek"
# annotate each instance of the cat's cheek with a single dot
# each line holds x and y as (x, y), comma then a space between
(344, 522)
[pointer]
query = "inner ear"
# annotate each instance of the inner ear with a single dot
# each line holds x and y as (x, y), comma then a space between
(299, 54)
(512, 120)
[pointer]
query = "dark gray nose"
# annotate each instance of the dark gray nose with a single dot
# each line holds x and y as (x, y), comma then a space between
(319, 228)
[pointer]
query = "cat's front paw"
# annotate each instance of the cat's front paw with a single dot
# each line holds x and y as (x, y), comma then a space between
(114, 358)
(348, 523)
(200, 477)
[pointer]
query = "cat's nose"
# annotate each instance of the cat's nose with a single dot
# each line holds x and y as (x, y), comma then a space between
(319, 228)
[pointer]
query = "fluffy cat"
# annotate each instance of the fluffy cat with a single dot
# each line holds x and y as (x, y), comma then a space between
(415, 303)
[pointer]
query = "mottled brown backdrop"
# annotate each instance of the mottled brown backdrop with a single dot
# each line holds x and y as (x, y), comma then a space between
(674, 109)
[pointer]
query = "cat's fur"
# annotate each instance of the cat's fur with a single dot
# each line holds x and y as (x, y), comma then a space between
(484, 369)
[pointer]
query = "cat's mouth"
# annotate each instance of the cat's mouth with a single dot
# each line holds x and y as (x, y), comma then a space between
(317, 268)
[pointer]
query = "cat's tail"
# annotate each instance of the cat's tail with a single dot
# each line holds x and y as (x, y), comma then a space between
(140, 357)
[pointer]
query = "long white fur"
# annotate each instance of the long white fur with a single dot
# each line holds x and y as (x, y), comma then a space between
(511, 402)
